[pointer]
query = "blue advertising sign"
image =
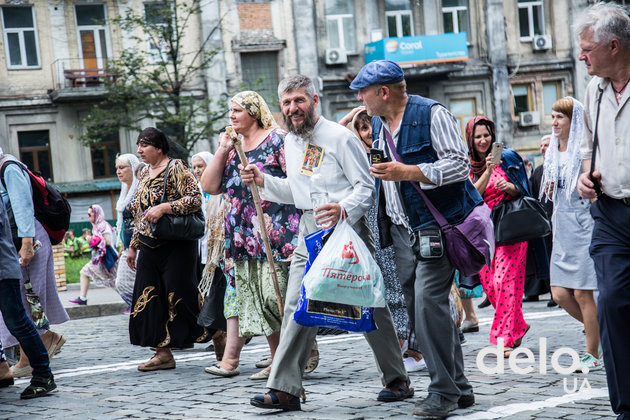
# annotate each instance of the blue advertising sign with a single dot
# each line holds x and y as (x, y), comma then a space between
(421, 49)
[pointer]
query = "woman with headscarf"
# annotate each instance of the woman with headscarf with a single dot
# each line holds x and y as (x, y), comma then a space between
(126, 168)
(503, 282)
(211, 285)
(250, 301)
(104, 262)
(573, 278)
(165, 298)
(37, 262)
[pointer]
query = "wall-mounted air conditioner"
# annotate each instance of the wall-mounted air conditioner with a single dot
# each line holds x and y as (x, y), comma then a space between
(541, 42)
(527, 119)
(336, 56)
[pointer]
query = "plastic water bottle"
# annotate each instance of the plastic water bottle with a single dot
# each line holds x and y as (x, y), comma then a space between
(319, 192)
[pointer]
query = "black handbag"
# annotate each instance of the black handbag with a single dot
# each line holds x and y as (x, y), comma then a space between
(178, 228)
(519, 220)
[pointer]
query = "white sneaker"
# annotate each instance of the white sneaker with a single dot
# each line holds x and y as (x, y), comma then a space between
(413, 365)
(589, 363)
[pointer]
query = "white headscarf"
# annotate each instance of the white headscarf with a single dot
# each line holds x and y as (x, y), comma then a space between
(206, 156)
(571, 171)
(126, 193)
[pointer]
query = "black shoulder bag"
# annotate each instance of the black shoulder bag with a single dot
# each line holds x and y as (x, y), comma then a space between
(178, 228)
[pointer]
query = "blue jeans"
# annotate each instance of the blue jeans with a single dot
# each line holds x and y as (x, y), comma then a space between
(22, 328)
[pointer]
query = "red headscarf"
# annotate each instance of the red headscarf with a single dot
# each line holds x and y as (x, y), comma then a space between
(477, 163)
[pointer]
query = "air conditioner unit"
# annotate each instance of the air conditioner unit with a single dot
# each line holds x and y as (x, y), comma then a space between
(541, 42)
(336, 56)
(527, 119)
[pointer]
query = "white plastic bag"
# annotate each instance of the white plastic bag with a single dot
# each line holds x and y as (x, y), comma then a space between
(345, 272)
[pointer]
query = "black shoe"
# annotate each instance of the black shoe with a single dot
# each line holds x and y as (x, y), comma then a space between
(531, 298)
(38, 388)
(551, 304)
(435, 406)
(466, 400)
(483, 304)
(398, 390)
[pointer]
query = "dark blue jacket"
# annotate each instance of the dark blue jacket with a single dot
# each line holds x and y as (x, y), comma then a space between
(455, 201)
(512, 165)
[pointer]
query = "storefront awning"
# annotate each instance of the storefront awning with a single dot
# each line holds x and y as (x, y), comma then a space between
(421, 49)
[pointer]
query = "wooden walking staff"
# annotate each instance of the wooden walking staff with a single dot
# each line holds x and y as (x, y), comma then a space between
(261, 218)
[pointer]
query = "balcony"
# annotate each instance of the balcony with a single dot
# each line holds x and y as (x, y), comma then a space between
(426, 54)
(76, 80)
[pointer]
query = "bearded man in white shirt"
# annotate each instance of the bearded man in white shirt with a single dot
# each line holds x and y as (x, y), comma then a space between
(351, 191)
(604, 34)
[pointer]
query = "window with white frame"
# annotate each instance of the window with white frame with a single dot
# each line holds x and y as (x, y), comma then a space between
(340, 24)
(92, 34)
(399, 18)
(157, 14)
(20, 37)
(455, 16)
(531, 18)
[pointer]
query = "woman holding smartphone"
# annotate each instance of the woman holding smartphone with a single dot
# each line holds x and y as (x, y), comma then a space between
(499, 175)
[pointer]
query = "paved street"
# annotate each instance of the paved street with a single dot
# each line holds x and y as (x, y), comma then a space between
(97, 379)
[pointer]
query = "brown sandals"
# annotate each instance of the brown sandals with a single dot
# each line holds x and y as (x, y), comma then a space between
(159, 365)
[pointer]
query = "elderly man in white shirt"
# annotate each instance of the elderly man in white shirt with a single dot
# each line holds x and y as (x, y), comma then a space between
(341, 158)
(604, 33)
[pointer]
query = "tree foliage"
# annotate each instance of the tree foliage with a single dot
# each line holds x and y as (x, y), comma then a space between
(160, 79)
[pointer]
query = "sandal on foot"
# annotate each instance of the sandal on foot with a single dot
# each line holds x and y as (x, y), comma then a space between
(160, 365)
(276, 400)
(264, 363)
(396, 391)
(219, 371)
(313, 360)
(507, 351)
(55, 346)
(21, 372)
(263, 374)
(519, 340)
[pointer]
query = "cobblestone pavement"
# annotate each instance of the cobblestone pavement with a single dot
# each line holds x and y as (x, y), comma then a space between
(97, 379)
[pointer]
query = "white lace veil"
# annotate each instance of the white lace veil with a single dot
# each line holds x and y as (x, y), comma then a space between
(126, 194)
(571, 171)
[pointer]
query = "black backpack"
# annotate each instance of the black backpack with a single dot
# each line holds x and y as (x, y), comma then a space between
(51, 208)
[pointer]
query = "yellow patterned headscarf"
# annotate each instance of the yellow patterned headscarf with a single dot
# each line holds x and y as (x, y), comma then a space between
(256, 107)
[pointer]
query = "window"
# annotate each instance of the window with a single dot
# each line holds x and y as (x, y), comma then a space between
(92, 35)
(399, 18)
(463, 110)
(455, 16)
(158, 15)
(260, 73)
(104, 156)
(35, 151)
(340, 24)
(551, 93)
(522, 99)
(19, 37)
(530, 18)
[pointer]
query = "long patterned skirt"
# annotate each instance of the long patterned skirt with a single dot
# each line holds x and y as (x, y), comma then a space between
(166, 301)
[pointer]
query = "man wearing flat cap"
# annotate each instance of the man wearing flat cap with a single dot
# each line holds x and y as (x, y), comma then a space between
(424, 143)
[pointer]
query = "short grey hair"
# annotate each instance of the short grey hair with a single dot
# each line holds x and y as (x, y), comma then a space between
(607, 21)
(296, 82)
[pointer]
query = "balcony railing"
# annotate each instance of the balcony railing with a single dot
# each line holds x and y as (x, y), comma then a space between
(79, 73)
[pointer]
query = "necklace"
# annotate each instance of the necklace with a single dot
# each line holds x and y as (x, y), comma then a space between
(619, 93)
(157, 166)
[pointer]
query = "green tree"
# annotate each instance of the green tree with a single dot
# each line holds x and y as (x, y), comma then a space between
(159, 79)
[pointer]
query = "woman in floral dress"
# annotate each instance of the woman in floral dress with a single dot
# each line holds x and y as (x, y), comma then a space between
(503, 282)
(250, 300)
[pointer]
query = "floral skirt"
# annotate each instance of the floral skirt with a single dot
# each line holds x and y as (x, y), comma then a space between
(255, 300)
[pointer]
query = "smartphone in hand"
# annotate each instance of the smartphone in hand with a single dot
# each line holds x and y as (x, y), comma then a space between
(377, 156)
(497, 151)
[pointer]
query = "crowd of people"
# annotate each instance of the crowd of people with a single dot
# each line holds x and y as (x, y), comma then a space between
(222, 283)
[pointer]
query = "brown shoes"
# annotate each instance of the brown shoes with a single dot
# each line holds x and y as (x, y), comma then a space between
(160, 364)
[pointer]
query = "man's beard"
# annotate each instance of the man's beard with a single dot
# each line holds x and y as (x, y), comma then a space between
(305, 130)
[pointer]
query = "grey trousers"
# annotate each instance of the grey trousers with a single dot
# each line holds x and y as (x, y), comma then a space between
(296, 341)
(426, 286)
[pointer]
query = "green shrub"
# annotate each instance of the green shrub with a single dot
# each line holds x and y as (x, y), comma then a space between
(73, 267)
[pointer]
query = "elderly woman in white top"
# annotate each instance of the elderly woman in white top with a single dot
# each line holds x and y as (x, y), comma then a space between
(199, 163)
(126, 169)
